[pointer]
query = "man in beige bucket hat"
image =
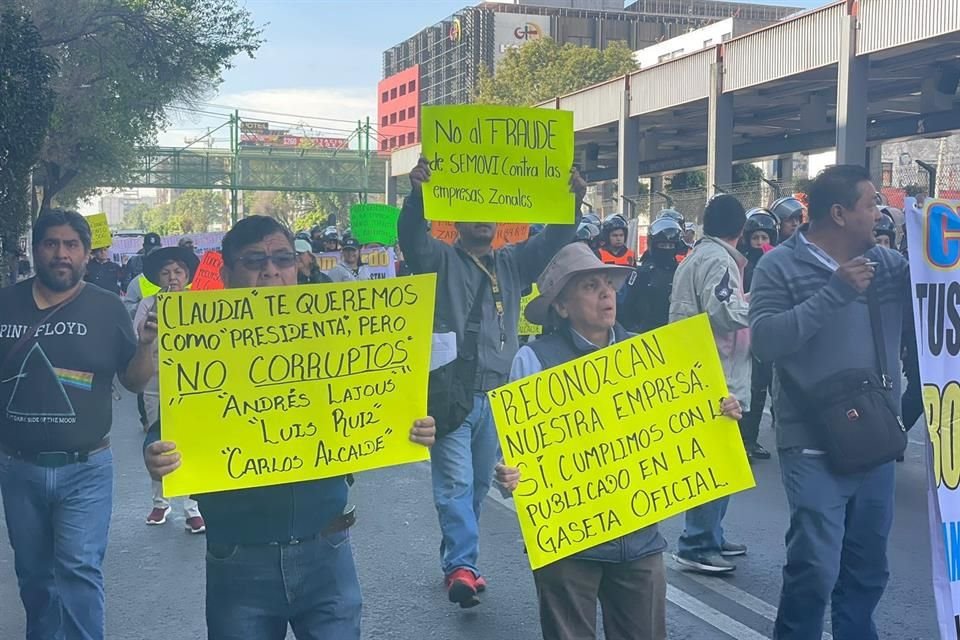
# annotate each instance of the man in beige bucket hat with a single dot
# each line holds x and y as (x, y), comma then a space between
(578, 297)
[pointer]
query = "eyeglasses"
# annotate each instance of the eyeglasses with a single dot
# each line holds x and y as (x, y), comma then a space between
(257, 261)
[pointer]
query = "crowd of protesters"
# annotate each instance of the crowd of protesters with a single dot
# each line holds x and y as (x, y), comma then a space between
(790, 293)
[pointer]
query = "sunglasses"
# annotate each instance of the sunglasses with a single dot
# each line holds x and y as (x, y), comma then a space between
(257, 261)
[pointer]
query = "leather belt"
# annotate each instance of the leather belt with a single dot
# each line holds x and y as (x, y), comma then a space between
(341, 523)
(55, 459)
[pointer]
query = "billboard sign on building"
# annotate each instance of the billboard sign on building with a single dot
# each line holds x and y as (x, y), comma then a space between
(259, 134)
(513, 30)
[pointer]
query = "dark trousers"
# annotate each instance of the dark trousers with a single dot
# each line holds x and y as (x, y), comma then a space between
(761, 378)
(632, 596)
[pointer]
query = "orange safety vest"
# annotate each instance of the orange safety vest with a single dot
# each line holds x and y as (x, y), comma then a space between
(628, 259)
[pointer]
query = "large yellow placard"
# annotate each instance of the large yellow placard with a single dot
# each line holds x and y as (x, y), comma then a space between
(100, 236)
(619, 439)
(525, 327)
(268, 386)
(491, 163)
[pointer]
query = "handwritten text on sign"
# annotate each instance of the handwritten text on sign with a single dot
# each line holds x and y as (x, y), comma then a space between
(283, 384)
(619, 440)
(498, 164)
(507, 233)
(100, 236)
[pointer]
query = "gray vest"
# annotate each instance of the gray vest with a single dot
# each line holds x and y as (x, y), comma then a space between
(563, 346)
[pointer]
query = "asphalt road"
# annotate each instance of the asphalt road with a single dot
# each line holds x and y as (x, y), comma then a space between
(155, 575)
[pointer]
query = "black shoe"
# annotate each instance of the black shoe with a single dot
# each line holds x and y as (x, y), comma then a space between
(757, 452)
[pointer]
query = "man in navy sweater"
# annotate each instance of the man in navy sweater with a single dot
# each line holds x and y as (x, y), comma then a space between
(808, 315)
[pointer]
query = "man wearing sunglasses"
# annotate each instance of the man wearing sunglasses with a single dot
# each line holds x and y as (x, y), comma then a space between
(277, 556)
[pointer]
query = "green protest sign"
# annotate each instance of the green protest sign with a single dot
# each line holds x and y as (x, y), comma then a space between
(374, 223)
(492, 163)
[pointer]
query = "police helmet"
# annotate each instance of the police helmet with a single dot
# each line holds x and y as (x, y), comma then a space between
(886, 227)
(673, 214)
(592, 218)
(787, 208)
(663, 231)
(303, 235)
(331, 233)
(760, 219)
(587, 231)
(615, 221)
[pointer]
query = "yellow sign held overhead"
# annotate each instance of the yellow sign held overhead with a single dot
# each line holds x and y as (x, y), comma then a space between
(619, 439)
(269, 386)
(492, 163)
(525, 327)
(100, 231)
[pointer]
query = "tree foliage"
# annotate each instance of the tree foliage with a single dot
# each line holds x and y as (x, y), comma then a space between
(195, 211)
(747, 174)
(122, 64)
(543, 69)
(687, 180)
(302, 211)
(26, 103)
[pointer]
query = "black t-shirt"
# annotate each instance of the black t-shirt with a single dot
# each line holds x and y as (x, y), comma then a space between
(56, 388)
(105, 275)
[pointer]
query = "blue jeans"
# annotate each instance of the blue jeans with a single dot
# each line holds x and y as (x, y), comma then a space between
(58, 521)
(836, 548)
(462, 468)
(703, 530)
(255, 591)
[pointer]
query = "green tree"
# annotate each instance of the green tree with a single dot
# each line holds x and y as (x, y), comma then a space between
(26, 103)
(686, 180)
(195, 211)
(122, 64)
(543, 69)
(747, 174)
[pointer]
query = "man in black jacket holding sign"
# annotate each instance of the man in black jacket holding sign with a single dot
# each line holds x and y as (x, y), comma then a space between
(462, 461)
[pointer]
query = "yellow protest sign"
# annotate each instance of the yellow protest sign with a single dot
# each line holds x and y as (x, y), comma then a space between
(283, 384)
(619, 439)
(527, 328)
(493, 163)
(100, 231)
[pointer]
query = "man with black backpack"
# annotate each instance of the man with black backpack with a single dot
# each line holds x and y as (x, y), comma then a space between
(478, 300)
(840, 299)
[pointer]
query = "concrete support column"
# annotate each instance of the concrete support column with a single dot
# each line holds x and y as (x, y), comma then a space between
(628, 154)
(656, 184)
(390, 188)
(852, 88)
(719, 131)
(875, 164)
(783, 169)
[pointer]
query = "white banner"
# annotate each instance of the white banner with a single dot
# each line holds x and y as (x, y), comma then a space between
(933, 238)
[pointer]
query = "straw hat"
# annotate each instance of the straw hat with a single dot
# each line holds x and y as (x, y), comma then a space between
(570, 261)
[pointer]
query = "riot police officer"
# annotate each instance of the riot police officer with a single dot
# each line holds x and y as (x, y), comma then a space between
(613, 242)
(760, 234)
(789, 213)
(646, 299)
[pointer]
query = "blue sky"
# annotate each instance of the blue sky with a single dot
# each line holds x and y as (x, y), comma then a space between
(322, 58)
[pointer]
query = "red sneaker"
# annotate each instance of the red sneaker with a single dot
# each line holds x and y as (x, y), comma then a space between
(462, 588)
(158, 515)
(481, 584)
(195, 525)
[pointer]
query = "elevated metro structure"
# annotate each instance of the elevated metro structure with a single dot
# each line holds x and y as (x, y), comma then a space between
(849, 75)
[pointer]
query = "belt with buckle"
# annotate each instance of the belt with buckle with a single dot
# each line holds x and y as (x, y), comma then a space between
(341, 523)
(56, 459)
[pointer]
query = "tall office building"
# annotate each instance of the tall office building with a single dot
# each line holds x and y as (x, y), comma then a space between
(441, 64)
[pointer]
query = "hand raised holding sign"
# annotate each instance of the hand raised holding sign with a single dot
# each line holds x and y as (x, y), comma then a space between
(578, 186)
(420, 174)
